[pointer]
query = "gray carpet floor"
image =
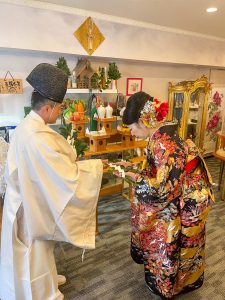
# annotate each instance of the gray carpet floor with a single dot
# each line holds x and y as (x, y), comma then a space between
(109, 273)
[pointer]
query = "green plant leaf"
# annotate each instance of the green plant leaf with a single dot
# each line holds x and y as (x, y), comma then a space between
(113, 72)
(66, 131)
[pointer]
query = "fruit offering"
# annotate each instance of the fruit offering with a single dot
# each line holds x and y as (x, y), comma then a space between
(75, 111)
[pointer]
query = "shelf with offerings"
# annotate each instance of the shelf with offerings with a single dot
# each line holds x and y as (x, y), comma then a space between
(118, 147)
(88, 91)
(116, 185)
(107, 149)
(114, 142)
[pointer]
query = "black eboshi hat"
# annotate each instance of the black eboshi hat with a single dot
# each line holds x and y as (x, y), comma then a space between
(49, 81)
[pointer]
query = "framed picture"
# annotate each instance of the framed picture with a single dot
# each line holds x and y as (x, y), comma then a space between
(134, 85)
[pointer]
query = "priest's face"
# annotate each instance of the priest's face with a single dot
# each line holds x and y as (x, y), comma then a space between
(54, 113)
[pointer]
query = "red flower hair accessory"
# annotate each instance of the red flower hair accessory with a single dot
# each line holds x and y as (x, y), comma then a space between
(153, 113)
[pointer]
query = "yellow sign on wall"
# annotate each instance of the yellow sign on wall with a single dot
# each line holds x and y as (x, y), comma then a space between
(11, 86)
(89, 36)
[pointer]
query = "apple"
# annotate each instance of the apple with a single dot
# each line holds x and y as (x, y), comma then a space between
(76, 116)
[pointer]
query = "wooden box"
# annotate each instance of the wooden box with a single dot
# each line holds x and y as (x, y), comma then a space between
(127, 140)
(98, 143)
(80, 127)
(106, 123)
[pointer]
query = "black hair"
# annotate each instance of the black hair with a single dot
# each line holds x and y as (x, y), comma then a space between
(37, 101)
(134, 106)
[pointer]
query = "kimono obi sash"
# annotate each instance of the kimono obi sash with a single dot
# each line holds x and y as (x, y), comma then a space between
(191, 165)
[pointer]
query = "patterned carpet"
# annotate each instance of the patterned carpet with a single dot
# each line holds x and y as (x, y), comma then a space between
(109, 273)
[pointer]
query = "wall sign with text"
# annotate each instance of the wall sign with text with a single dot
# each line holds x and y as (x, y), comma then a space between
(11, 86)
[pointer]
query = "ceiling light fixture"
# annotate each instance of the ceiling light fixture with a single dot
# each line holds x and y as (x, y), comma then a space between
(211, 9)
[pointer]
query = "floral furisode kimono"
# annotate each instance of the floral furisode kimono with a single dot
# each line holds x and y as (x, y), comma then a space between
(172, 198)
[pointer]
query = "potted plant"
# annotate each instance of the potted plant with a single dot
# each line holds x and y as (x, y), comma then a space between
(71, 135)
(99, 80)
(95, 81)
(113, 74)
(62, 64)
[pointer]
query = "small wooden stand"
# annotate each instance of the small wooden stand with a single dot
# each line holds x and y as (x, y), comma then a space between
(106, 123)
(97, 142)
(126, 138)
(80, 127)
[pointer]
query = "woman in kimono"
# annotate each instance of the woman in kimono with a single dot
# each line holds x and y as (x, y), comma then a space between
(47, 198)
(171, 201)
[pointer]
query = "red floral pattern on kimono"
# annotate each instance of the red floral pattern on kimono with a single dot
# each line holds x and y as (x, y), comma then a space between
(172, 199)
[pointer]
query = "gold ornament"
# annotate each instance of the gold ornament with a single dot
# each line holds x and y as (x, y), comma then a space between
(89, 35)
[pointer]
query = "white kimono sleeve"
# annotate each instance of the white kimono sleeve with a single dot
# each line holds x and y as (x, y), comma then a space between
(59, 195)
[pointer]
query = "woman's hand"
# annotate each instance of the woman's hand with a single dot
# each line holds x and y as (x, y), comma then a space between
(131, 175)
(124, 169)
(117, 174)
(127, 175)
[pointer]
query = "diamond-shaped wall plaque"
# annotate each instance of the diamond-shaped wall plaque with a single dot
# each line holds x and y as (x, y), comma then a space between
(89, 35)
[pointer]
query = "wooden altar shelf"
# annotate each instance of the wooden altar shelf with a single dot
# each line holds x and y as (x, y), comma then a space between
(111, 189)
(126, 138)
(137, 159)
(106, 123)
(116, 148)
(97, 143)
(113, 132)
(80, 127)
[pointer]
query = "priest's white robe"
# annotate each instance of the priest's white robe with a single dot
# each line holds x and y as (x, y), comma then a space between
(49, 197)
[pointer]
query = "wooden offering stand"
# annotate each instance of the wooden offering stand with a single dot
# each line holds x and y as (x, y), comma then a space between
(97, 142)
(80, 127)
(126, 138)
(106, 123)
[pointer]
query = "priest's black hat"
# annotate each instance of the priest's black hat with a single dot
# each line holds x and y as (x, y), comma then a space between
(49, 81)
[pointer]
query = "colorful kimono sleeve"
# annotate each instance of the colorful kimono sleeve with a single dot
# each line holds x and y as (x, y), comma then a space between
(161, 182)
(157, 192)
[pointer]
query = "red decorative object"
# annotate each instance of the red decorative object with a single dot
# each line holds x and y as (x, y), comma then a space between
(161, 111)
(215, 116)
(134, 85)
(154, 112)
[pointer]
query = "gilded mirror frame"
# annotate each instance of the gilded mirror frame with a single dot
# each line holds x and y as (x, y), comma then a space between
(187, 88)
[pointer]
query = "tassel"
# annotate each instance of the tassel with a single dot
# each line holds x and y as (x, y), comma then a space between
(82, 258)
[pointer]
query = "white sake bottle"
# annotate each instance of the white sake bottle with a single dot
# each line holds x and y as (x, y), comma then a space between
(109, 111)
(101, 112)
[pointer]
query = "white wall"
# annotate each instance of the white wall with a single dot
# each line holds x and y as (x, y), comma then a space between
(31, 35)
(31, 28)
(20, 63)
(155, 76)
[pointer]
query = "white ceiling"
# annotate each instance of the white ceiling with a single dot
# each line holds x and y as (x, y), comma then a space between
(187, 15)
